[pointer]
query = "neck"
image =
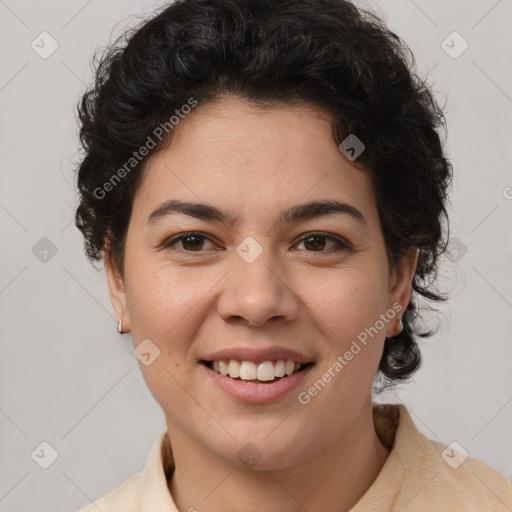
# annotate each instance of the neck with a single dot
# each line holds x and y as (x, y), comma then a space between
(332, 480)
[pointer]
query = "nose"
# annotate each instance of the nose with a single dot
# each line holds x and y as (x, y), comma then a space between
(257, 291)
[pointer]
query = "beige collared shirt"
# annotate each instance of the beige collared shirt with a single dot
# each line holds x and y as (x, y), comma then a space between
(419, 475)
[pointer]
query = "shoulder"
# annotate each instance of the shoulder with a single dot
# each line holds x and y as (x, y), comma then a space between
(446, 475)
(473, 481)
(422, 474)
(124, 497)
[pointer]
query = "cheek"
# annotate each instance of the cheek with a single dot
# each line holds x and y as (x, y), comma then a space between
(347, 306)
(345, 303)
(165, 307)
(162, 299)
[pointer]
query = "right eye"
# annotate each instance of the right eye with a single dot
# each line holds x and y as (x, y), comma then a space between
(190, 242)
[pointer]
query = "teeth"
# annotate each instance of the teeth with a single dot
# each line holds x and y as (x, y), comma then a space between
(223, 367)
(234, 368)
(266, 371)
(247, 370)
(280, 369)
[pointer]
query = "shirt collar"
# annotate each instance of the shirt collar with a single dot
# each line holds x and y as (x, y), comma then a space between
(154, 493)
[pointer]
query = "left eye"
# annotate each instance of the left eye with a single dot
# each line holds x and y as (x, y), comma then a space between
(317, 241)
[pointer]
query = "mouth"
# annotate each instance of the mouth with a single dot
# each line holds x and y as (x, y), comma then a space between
(264, 372)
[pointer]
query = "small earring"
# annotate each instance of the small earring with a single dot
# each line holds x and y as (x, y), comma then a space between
(120, 326)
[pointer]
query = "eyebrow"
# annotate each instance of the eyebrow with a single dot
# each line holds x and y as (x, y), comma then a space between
(296, 213)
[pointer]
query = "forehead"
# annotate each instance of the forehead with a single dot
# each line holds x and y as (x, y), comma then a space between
(253, 161)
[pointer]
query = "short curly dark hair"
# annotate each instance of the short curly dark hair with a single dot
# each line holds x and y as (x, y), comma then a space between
(327, 54)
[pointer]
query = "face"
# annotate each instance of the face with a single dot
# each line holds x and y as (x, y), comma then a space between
(236, 279)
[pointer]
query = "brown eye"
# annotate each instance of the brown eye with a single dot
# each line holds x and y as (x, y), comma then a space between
(190, 242)
(316, 242)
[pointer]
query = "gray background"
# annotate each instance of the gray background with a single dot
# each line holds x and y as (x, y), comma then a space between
(69, 379)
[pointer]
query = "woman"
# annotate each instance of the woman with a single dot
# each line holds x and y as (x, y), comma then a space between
(266, 185)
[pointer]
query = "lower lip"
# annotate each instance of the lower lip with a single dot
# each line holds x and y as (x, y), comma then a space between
(251, 392)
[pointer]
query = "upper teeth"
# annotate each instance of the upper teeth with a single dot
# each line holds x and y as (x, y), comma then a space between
(247, 370)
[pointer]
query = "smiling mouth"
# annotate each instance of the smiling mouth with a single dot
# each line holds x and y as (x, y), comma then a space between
(265, 372)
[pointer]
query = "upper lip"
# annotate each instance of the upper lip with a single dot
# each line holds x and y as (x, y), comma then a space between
(258, 355)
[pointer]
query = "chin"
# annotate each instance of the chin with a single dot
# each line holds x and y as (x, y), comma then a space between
(259, 450)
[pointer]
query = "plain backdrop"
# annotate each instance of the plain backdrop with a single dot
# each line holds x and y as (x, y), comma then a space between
(68, 379)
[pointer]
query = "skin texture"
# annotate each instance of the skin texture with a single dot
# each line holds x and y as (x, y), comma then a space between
(256, 163)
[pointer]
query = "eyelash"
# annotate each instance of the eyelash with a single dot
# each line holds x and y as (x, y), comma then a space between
(342, 245)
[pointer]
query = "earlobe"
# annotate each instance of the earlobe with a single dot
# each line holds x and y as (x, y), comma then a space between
(400, 292)
(117, 294)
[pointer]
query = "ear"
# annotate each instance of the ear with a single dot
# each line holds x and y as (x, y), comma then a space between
(401, 286)
(117, 292)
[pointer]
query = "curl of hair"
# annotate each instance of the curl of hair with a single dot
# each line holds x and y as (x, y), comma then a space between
(327, 54)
